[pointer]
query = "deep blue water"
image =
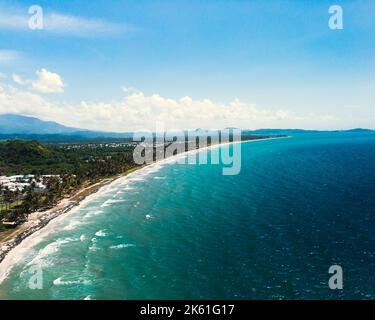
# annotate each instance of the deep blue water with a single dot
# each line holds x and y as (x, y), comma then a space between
(298, 206)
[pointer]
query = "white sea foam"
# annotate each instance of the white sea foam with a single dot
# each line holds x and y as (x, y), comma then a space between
(129, 188)
(111, 201)
(94, 246)
(101, 233)
(116, 200)
(137, 179)
(105, 204)
(123, 245)
(41, 258)
(60, 282)
(93, 213)
(72, 225)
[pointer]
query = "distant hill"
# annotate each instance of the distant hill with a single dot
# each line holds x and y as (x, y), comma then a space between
(18, 124)
(358, 130)
(13, 126)
(18, 151)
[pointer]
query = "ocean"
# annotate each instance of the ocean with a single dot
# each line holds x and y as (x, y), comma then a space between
(174, 231)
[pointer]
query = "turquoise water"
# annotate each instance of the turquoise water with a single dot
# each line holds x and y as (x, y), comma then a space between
(177, 231)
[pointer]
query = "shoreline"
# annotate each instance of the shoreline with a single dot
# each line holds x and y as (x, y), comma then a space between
(39, 220)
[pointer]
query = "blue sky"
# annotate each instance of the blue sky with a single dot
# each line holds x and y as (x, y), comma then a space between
(276, 60)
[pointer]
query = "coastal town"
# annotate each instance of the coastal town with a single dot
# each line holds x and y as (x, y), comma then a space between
(13, 190)
(35, 176)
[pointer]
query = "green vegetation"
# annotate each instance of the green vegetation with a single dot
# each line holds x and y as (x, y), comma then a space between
(74, 166)
(31, 157)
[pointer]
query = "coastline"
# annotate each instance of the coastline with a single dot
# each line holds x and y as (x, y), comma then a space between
(38, 222)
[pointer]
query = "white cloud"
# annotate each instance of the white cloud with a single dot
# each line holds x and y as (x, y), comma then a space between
(128, 89)
(11, 21)
(138, 111)
(68, 24)
(18, 79)
(2, 75)
(46, 82)
(8, 56)
(62, 24)
(13, 100)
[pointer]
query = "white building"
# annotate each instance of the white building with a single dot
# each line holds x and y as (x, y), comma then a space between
(19, 182)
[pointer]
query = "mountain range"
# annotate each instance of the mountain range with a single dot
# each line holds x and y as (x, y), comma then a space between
(15, 125)
(26, 127)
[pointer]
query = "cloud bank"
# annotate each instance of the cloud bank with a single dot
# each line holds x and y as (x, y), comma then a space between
(138, 111)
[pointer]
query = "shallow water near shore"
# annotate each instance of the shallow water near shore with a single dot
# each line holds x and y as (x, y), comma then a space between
(176, 231)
